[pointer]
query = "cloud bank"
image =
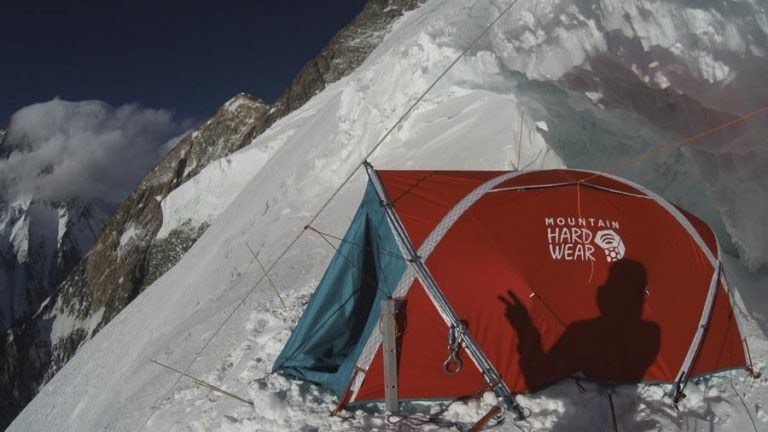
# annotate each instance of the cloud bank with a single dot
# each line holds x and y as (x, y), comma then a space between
(87, 150)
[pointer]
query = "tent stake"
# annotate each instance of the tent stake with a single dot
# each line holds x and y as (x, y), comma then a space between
(389, 350)
(204, 384)
(493, 412)
(613, 411)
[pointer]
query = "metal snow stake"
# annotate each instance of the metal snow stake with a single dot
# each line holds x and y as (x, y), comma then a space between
(205, 384)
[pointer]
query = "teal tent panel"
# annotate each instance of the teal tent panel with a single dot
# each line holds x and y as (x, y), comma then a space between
(344, 309)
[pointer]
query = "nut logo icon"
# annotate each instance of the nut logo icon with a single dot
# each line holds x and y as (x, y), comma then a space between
(611, 243)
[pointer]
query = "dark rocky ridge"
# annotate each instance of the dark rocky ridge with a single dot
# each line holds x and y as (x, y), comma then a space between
(4, 148)
(118, 268)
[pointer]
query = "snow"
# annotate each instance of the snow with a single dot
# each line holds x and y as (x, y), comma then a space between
(36, 237)
(62, 226)
(20, 238)
(214, 316)
(235, 103)
(64, 325)
(203, 197)
(128, 234)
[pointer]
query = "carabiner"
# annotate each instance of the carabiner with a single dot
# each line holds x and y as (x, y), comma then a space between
(453, 364)
(448, 365)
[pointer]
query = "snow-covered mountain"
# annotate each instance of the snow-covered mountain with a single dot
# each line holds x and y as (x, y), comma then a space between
(589, 84)
(125, 256)
(54, 200)
(40, 243)
(158, 222)
(41, 240)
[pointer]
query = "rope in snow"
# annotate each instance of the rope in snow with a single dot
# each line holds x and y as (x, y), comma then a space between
(208, 342)
(520, 138)
(266, 274)
(744, 404)
(335, 193)
(613, 411)
(204, 384)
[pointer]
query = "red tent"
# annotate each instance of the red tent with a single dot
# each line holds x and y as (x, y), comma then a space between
(535, 276)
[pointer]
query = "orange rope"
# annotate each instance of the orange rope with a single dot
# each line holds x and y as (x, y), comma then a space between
(677, 144)
(578, 211)
(660, 150)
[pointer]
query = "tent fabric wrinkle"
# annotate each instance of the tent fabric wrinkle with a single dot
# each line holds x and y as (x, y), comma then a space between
(546, 274)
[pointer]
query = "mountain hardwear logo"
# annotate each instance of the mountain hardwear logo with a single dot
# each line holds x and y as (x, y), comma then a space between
(573, 239)
(612, 244)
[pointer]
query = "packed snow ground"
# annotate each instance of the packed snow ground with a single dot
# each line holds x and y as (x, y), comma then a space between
(210, 317)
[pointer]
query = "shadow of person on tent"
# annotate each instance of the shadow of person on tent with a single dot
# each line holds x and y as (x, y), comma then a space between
(618, 346)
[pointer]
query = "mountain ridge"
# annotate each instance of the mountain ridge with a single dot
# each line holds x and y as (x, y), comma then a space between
(127, 256)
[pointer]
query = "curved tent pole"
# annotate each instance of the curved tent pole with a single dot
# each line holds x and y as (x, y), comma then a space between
(695, 348)
(706, 313)
(490, 374)
(685, 370)
(750, 365)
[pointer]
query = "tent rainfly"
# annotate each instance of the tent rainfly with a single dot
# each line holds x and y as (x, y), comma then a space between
(524, 278)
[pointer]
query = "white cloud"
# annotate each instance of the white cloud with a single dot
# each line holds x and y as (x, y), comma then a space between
(85, 150)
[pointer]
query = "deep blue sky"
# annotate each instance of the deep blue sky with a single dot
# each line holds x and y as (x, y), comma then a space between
(187, 56)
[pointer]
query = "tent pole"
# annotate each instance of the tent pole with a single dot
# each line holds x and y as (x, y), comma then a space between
(491, 376)
(389, 350)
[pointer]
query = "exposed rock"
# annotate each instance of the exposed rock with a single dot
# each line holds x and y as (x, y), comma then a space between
(344, 53)
(5, 149)
(117, 268)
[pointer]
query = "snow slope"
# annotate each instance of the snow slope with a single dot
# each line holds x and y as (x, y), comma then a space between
(555, 83)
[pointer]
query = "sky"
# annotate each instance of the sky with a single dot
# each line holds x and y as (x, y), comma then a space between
(187, 57)
(94, 93)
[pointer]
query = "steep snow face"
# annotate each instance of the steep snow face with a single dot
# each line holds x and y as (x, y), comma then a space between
(585, 102)
(198, 201)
